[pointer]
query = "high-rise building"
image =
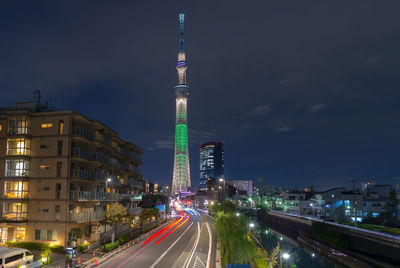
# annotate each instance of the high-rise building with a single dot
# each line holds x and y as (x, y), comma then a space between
(242, 185)
(60, 170)
(181, 175)
(211, 162)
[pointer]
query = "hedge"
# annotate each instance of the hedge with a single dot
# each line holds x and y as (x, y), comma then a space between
(35, 246)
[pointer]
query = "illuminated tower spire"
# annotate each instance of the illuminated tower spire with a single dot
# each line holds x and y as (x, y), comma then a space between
(181, 176)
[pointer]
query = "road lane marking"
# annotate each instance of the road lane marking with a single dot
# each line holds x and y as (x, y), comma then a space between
(194, 246)
(173, 244)
(197, 263)
(209, 245)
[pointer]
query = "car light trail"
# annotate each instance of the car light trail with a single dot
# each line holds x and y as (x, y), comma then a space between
(189, 259)
(163, 230)
(162, 238)
(173, 244)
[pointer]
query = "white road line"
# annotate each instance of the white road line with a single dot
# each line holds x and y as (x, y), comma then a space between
(209, 245)
(173, 244)
(194, 246)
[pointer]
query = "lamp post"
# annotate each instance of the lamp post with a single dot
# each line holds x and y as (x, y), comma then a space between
(223, 189)
(105, 216)
(251, 226)
(284, 256)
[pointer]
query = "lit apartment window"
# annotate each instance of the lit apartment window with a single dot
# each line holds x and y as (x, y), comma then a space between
(20, 233)
(19, 125)
(15, 211)
(61, 127)
(44, 167)
(47, 125)
(17, 168)
(18, 146)
(1, 127)
(16, 189)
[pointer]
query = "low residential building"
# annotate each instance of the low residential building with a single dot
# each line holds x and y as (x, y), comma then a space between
(243, 185)
(60, 170)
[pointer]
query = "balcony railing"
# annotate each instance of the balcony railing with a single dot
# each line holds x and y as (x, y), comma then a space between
(107, 196)
(86, 216)
(79, 195)
(82, 132)
(136, 183)
(81, 173)
(82, 153)
(134, 211)
(15, 216)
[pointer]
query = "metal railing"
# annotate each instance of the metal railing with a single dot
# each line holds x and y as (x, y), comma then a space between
(80, 195)
(87, 216)
(81, 173)
(82, 132)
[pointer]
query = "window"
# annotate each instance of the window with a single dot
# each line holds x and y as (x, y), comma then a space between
(59, 167)
(59, 147)
(43, 210)
(20, 233)
(58, 190)
(15, 211)
(19, 126)
(44, 146)
(46, 235)
(15, 189)
(19, 146)
(14, 258)
(44, 167)
(61, 127)
(57, 209)
(47, 125)
(17, 168)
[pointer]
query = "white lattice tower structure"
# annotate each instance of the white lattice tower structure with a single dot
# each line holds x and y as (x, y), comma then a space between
(181, 175)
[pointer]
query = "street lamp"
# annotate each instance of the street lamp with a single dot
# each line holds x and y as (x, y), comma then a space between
(105, 216)
(237, 214)
(223, 190)
(284, 256)
(251, 226)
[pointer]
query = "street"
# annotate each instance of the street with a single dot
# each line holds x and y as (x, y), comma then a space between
(183, 243)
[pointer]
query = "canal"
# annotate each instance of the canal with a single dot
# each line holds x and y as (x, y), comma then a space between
(296, 255)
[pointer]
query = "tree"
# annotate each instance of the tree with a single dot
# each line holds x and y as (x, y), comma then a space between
(391, 208)
(115, 214)
(46, 256)
(75, 234)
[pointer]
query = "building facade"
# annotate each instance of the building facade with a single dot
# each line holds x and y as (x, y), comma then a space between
(60, 170)
(181, 175)
(211, 162)
(243, 185)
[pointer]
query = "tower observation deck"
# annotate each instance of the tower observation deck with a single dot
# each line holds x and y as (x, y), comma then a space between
(181, 174)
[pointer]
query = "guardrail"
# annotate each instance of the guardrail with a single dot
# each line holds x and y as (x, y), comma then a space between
(396, 238)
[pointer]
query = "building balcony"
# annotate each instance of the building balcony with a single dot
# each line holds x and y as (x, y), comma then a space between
(86, 216)
(101, 157)
(82, 153)
(81, 174)
(82, 132)
(136, 183)
(102, 196)
(134, 211)
(15, 216)
(80, 196)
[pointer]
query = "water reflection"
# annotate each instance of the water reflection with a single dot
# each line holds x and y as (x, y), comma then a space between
(292, 253)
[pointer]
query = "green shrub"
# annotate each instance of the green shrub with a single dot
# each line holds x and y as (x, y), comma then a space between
(332, 238)
(35, 246)
(82, 247)
(112, 246)
(123, 239)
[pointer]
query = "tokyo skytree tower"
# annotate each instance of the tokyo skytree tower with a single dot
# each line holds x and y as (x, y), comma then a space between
(181, 176)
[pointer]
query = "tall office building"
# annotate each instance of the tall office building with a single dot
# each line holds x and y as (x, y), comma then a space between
(59, 170)
(211, 163)
(181, 175)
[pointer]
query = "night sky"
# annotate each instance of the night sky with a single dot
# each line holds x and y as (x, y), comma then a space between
(301, 92)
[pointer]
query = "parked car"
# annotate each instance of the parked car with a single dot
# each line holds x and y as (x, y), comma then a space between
(14, 257)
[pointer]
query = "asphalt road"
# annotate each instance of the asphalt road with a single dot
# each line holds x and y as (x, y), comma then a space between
(184, 243)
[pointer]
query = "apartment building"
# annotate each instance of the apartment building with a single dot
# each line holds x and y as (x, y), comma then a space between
(60, 170)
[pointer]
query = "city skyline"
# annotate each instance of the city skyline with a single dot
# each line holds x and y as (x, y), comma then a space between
(303, 110)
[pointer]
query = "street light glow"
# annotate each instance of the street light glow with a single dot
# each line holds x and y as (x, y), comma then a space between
(285, 256)
(108, 179)
(237, 214)
(251, 225)
(221, 180)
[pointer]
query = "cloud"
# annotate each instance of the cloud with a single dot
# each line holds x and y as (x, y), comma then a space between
(256, 111)
(162, 144)
(314, 109)
(284, 81)
(284, 129)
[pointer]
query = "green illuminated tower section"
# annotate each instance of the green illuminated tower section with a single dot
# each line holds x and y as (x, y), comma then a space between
(181, 176)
